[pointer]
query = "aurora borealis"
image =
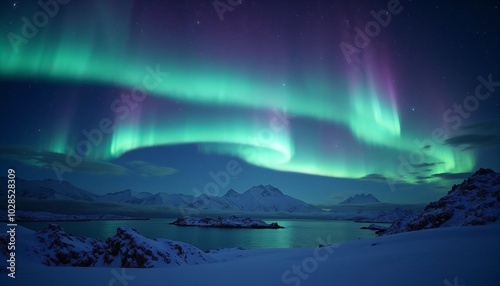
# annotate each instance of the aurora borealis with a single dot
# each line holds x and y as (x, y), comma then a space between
(268, 87)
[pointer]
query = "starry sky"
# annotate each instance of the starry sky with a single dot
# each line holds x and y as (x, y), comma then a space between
(322, 99)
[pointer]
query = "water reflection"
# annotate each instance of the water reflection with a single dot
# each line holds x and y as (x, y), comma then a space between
(297, 232)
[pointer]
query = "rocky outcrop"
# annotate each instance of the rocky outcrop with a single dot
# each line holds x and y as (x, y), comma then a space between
(219, 222)
(127, 249)
(476, 201)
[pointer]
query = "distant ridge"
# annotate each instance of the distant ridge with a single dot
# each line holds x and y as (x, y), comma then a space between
(261, 198)
(360, 199)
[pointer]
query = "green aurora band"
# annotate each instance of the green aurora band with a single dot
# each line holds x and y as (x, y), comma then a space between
(363, 111)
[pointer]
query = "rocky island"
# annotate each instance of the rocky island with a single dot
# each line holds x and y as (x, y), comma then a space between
(219, 222)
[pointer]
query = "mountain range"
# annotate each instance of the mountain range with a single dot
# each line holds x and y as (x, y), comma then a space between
(257, 199)
(360, 199)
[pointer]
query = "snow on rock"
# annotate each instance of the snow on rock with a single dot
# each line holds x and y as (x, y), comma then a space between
(52, 246)
(476, 201)
(229, 222)
(55, 247)
(360, 199)
(442, 256)
(131, 250)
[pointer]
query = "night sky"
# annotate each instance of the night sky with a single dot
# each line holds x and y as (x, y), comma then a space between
(322, 99)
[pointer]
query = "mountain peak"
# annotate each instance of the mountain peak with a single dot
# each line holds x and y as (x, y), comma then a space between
(265, 191)
(483, 171)
(124, 192)
(360, 199)
(231, 193)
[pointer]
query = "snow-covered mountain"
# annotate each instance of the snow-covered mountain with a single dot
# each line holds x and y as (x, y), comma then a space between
(256, 199)
(52, 246)
(360, 199)
(475, 201)
(51, 189)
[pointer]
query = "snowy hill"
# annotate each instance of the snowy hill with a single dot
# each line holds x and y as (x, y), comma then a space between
(475, 201)
(360, 199)
(52, 246)
(131, 250)
(447, 256)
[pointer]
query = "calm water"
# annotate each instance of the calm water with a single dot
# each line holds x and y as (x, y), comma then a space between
(297, 232)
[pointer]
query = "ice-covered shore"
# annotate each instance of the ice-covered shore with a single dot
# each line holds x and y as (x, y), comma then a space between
(466, 254)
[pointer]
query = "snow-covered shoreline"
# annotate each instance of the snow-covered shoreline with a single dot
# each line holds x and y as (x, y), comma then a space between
(427, 257)
(446, 244)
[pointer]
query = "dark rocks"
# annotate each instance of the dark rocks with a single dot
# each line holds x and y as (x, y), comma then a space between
(473, 202)
(219, 222)
(126, 249)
